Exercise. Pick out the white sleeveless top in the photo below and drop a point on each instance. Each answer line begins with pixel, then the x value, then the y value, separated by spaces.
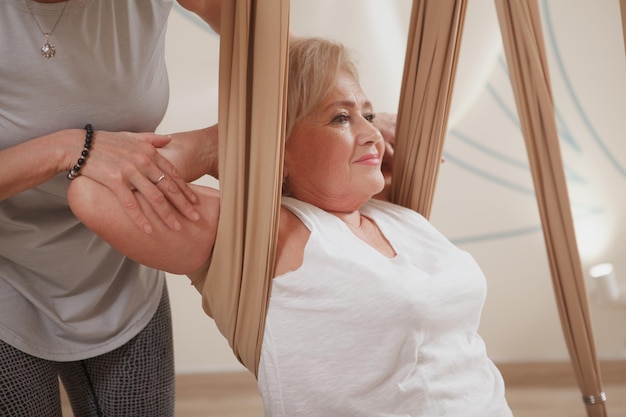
pixel 64 293
pixel 354 333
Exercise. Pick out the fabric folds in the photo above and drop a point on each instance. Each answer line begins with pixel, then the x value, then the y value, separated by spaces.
pixel 622 5
pixel 430 66
pixel 252 90
pixel 520 25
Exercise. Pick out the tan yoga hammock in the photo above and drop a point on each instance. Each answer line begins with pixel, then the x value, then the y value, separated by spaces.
pixel 622 7
pixel 253 76
pixel 520 24
pixel 253 59
pixel 432 51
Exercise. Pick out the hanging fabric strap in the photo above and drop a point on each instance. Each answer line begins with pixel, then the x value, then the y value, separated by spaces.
pixel 622 6
pixel 252 90
pixel 430 66
pixel 520 25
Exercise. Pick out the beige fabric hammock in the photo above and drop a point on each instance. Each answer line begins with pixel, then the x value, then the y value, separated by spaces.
pixel 520 24
pixel 433 46
pixel 253 76
pixel 253 59
pixel 622 6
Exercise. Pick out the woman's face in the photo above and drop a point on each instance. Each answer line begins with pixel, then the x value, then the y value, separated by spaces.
pixel 333 156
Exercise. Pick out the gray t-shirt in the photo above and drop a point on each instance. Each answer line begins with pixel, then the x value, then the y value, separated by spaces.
pixel 64 293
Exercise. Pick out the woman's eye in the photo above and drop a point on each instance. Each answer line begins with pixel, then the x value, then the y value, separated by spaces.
pixel 341 118
pixel 370 117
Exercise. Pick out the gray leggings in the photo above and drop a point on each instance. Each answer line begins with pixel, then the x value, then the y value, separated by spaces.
pixel 137 379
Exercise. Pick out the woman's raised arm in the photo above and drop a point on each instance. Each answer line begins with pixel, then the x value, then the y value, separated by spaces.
pixel 180 252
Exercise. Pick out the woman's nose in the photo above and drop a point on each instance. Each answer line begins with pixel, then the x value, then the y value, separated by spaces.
pixel 369 133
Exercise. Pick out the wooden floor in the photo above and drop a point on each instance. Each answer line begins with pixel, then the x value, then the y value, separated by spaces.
pixel 533 390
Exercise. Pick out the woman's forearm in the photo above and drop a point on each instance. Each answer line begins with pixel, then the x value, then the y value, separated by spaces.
pixel 34 162
pixel 194 153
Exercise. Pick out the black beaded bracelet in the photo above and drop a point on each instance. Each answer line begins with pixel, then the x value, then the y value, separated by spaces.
pixel 75 171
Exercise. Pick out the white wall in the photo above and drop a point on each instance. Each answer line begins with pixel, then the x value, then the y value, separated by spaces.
pixel 484 199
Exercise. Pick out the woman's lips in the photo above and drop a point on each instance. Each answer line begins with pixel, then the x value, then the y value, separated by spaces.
pixel 368 159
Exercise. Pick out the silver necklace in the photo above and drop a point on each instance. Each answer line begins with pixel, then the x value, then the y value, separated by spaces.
pixel 47 50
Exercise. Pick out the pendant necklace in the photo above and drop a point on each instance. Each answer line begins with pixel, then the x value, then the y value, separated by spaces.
pixel 47 50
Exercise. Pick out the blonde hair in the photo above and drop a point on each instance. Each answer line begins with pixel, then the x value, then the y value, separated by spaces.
pixel 314 64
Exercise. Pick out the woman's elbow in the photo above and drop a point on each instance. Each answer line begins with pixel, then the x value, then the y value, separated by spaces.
pixel 189 249
pixel 196 254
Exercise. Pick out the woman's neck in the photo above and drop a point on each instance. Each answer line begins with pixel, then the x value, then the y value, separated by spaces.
pixel 352 219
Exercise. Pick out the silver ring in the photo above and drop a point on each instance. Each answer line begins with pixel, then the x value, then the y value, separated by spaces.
pixel 594 399
pixel 160 178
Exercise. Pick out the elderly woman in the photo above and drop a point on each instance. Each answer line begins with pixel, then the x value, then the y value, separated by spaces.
pixel 372 311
